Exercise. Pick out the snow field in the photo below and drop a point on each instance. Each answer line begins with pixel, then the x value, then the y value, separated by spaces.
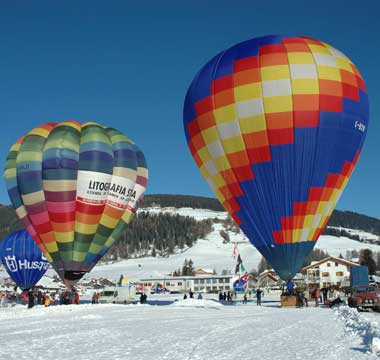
pixel 176 332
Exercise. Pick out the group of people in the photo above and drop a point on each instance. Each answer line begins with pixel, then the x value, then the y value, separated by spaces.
pixel 326 296
pixel 34 297
pixel 95 297
pixel 8 298
pixel 231 296
pixel 143 298
pixel 46 299
pixel 191 296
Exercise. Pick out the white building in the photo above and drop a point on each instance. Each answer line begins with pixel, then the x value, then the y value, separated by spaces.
pixel 327 272
pixel 181 284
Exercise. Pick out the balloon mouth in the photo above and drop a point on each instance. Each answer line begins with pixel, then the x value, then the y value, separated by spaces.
pixel 70 278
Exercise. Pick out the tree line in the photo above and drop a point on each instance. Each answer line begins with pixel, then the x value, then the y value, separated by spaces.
pixel 158 235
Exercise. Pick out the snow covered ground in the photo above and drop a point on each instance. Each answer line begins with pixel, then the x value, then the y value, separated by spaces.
pixel 194 330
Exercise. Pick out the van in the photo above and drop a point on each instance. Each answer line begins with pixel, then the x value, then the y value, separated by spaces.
pixel 107 295
pixel 124 294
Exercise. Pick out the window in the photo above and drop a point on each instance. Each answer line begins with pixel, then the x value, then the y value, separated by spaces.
pixel 214 281
pixel 328 264
pixel 179 283
pixel 208 288
pixel 202 281
pixel 226 288
pixel 196 288
pixel 226 280
pixel 325 274
pixel 196 281
pixel 208 281
pixel 339 273
pixel 336 264
pixel 220 287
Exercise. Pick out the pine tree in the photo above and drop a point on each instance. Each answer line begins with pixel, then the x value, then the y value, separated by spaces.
pixel 366 258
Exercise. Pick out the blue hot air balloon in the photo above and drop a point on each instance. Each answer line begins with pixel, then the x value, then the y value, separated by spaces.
pixel 276 125
pixel 23 259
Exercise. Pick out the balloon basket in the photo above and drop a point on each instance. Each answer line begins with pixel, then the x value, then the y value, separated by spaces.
pixel 288 301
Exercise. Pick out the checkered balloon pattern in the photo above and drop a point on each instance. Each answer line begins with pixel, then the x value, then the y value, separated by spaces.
pixel 75 188
pixel 276 125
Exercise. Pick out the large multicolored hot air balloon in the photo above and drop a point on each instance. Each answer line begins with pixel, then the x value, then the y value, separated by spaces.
pixel 276 125
pixel 23 259
pixel 75 188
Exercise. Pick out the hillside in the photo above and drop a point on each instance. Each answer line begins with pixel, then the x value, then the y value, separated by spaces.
pixel 344 219
pixel 339 219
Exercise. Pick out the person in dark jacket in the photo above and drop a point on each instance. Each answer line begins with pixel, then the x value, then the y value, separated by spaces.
pixel 30 298
pixel 325 292
pixel 224 296
pixel 220 296
pixel 300 298
pixel 258 296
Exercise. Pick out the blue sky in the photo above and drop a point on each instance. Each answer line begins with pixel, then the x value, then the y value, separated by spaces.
pixel 128 64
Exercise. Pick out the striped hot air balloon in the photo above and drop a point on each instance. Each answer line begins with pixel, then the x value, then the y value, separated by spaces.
pixel 75 188
pixel 276 125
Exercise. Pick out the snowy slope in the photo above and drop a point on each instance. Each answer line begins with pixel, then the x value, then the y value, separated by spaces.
pixel 211 253
pixel 195 332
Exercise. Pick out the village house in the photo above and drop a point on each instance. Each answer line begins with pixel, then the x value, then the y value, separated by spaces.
pixel 331 271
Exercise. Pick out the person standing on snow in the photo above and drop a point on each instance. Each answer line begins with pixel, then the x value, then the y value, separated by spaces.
pixel 316 296
pixel 47 300
pixel 325 291
pixel 30 298
pixel 258 296
pixel 76 298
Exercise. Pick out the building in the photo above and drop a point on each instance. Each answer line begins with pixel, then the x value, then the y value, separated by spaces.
pixel 182 284
pixel 200 271
pixel 268 278
pixel 331 271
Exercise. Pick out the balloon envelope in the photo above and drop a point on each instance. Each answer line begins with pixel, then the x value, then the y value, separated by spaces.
pixel 276 125
pixel 23 259
pixel 75 187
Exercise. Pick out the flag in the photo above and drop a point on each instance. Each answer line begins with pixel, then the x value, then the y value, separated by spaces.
pixel 234 251
pixel 238 263
pixel 239 269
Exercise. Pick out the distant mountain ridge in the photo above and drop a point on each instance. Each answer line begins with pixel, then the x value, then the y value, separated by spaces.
pixel 345 219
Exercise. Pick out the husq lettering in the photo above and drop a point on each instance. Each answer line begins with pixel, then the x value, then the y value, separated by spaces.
pixel 14 265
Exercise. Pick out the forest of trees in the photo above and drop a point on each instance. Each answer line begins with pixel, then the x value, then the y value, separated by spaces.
pixel 178 201
pixel 158 235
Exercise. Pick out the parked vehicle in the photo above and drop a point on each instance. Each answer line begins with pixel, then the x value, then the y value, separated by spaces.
pixel 124 294
pixel 365 297
pixel 107 295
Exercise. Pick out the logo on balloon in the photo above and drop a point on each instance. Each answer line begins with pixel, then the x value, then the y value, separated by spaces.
pixel 14 265
pixel 11 263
